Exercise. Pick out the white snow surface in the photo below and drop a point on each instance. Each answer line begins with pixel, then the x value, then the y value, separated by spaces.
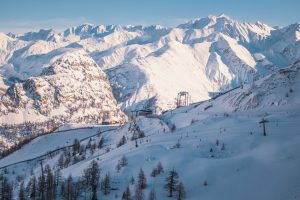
pixel 216 53
pixel 50 142
pixel 84 74
pixel 249 162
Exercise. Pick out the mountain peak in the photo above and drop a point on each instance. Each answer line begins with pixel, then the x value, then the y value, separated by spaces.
pixel 4 36
pixel 223 16
pixel 87 24
pixel 74 84
pixel 205 22
pixel 241 31
pixel 292 31
pixel 42 34
pixel 89 30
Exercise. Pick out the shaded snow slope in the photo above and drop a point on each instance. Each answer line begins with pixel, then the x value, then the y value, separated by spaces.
pixel 50 142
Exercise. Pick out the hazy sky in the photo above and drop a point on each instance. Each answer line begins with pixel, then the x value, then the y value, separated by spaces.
pixel 25 15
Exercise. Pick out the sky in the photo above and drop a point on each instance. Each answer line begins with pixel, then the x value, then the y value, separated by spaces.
pixel 19 16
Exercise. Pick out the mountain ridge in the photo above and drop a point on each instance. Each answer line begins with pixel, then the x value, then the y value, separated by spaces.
pixel 146 66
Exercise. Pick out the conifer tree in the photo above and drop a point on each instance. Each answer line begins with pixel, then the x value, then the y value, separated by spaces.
pixel 49 183
pixel 91 177
pixel 61 161
pixel 132 180
pixel 180 192
pixel 31 188
pixel 126 194
pixel 122 141
pixel 152 195
pixel 139 194
pixel 160 168
pixel 22 194
pixel 70 188
pixel 101 143
pixel 76 146
pixel 142 181
pixel 154 172
pixel 105 184
pixel 223 147
pixel 124 161
pixel 172 182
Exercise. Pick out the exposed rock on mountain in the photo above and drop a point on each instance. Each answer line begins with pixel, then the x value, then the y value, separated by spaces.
pixel 72 90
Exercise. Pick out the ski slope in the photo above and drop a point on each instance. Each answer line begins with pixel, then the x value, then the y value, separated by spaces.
pixel 250 162
pixel 221 143
pixel 267 165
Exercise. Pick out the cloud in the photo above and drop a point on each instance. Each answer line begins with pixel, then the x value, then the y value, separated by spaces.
pixel 21 26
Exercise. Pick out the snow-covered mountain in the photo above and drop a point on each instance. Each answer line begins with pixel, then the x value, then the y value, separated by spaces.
pixel 146 66
pixel 217 148
pixel 73 89
pixel 7 46
pixel 241 31
pixel 282 47
pixel 275 93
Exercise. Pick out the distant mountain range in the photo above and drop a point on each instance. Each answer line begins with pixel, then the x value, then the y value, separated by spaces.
pixel 92 74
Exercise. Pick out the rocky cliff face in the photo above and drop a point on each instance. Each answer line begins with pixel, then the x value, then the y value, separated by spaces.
pixel 72 90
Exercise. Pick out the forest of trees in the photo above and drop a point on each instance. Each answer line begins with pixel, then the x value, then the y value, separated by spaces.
pixel 92 183
pixel 22 134
pixel 50 185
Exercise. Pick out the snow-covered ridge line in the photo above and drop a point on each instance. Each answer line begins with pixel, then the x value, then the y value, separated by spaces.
pixel 133 67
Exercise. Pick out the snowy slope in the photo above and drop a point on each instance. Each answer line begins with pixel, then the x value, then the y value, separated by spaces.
pixel 50 142
pixel 273 93
pixel 144 66
pixel 283 45
pixel 7 46
pixel 3 86
pixel 242 161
